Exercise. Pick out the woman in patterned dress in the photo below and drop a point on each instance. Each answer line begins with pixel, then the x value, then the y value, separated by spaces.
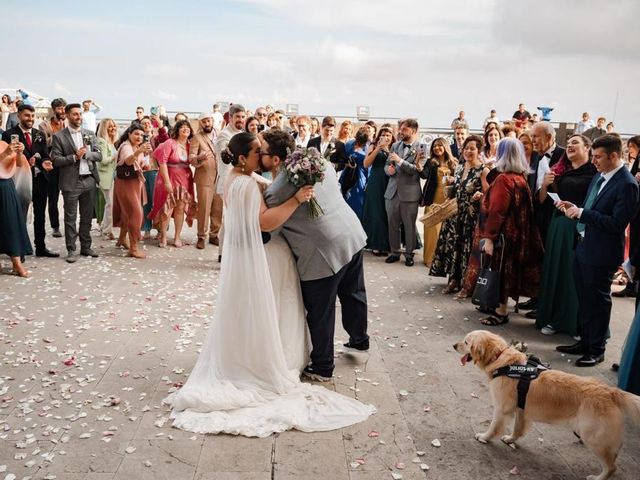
pixel 456 235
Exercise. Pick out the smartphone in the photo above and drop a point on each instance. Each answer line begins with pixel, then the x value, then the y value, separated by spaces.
pixel 145 138
pixel 154 110
pixel 423 149
pixel 86 140
pixel 15 138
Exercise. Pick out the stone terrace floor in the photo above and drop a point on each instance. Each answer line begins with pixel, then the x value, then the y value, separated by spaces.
pixel 76 338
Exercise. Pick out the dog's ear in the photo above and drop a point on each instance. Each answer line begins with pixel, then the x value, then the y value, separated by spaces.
pixel 477 350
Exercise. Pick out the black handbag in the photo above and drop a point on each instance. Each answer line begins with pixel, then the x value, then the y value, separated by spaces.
pixel 126 172
pixel 487 291
pixel 349 176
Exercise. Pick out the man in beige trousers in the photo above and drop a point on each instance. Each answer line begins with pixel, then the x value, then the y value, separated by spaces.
pixel 203 157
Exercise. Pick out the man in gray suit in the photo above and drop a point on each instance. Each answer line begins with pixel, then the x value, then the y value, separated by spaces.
pixel 403 191
pixel 74 150
pixel 328 253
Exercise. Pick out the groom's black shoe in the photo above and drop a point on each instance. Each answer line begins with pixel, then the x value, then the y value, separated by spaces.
pixel 313 375
pixel 357 348
pixel 392 259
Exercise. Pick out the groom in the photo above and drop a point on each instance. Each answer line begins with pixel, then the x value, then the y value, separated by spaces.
pixel 328 253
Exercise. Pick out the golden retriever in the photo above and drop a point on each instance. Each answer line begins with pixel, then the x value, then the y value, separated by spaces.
pixel 593 410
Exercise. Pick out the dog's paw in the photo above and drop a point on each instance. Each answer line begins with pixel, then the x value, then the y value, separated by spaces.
pixel 481 438
pixel 508 439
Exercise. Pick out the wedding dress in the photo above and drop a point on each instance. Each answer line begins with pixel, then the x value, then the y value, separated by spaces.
pixel 243 382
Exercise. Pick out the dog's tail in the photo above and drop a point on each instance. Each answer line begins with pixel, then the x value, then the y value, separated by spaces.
pixel 630 405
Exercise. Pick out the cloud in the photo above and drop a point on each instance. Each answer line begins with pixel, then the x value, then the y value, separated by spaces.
pixel 61 89
pixel 165 70
pixel 162 95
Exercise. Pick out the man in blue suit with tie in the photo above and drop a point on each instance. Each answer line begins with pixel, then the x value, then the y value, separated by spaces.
pixel 610 204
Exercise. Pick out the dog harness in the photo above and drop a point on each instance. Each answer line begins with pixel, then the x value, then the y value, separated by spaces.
pixel 524 374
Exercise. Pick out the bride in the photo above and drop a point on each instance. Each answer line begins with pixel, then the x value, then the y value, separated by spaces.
pixel 243 382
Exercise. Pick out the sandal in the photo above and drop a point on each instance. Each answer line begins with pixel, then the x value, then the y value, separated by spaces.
pixel 461 295
pixel 452 287
pixel 483 309
pixel 495 320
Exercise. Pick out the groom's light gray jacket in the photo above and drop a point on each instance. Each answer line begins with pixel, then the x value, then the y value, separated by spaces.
pixel 321 246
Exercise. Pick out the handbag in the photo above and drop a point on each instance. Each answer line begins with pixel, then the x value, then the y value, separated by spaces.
pixel 349 176
pixel 439 212
pixel 487 291
pixel 124 171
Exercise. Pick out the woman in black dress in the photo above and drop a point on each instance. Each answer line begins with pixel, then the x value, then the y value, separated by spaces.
pixel 14 240
pixel 374 216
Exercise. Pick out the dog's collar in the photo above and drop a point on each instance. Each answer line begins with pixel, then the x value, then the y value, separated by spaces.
pixel 498 356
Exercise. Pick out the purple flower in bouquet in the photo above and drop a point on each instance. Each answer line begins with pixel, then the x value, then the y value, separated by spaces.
pixel 306 166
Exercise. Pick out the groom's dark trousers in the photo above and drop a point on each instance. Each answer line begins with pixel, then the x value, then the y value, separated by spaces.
pixel 320 301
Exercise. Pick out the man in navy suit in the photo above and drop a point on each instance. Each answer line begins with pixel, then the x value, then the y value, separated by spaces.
pixel 611 202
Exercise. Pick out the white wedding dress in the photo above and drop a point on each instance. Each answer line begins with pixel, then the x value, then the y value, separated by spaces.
pixel 243 382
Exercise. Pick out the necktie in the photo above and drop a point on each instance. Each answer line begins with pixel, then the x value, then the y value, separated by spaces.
pixel 27 137
pixel 593 193
pixel 406 145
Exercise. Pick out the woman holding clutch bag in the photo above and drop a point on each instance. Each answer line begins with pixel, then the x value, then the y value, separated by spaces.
pixel 440 167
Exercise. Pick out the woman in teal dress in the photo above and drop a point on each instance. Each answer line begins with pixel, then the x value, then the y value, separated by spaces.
pixel 570 179
pixel 356 151
pixel 374 215
pixel 629 372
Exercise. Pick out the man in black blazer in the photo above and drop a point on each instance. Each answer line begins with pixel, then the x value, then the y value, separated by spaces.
pixel 459 136
pixel 36 151
pixel 74 151
pixel 612 200
pixel 546 154
pixel 330 147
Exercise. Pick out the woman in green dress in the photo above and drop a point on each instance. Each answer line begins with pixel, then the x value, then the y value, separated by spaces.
pixel 456 236
pixel 374 215
pixel 569 179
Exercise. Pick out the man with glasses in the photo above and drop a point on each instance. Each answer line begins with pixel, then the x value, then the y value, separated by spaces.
pixel 261 115
pixel 139 114
pixel 304 131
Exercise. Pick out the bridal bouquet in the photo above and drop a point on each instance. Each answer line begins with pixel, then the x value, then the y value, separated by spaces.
pixel 306 166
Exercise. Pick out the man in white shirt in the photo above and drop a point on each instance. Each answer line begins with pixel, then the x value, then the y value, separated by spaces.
pixel 330 147
pixel 585 124
pixel 217 117
pixel 304 131
pixel 459 121
pixel 492 118
pixel 89 115
pixel 74 151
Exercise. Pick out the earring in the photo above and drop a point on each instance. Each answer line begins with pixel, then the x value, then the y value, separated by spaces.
pixel 243 165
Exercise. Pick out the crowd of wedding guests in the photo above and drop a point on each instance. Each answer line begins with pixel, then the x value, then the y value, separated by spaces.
pixel 540 213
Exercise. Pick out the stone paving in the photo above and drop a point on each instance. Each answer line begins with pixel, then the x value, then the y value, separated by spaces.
pixel 88 352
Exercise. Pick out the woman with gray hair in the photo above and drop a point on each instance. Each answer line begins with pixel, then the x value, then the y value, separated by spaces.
pixel 507 232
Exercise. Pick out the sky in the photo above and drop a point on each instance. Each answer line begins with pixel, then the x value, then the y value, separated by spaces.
pixel 406 58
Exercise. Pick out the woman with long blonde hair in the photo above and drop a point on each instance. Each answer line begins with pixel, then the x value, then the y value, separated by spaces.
pixel 107 137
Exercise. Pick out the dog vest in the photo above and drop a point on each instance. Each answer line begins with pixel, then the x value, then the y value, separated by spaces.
pixel 524 374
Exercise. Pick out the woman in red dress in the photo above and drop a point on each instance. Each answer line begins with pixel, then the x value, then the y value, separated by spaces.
pixel 507 210
pixel 173 196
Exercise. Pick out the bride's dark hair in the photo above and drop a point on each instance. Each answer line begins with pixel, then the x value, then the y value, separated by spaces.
pixel 240 144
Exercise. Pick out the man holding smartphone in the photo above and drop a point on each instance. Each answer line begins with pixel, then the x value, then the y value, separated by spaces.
pixel 75 151
pixel 403 191
pixel 37 153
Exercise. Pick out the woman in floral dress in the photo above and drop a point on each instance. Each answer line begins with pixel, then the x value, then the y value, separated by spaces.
pixel 456 236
